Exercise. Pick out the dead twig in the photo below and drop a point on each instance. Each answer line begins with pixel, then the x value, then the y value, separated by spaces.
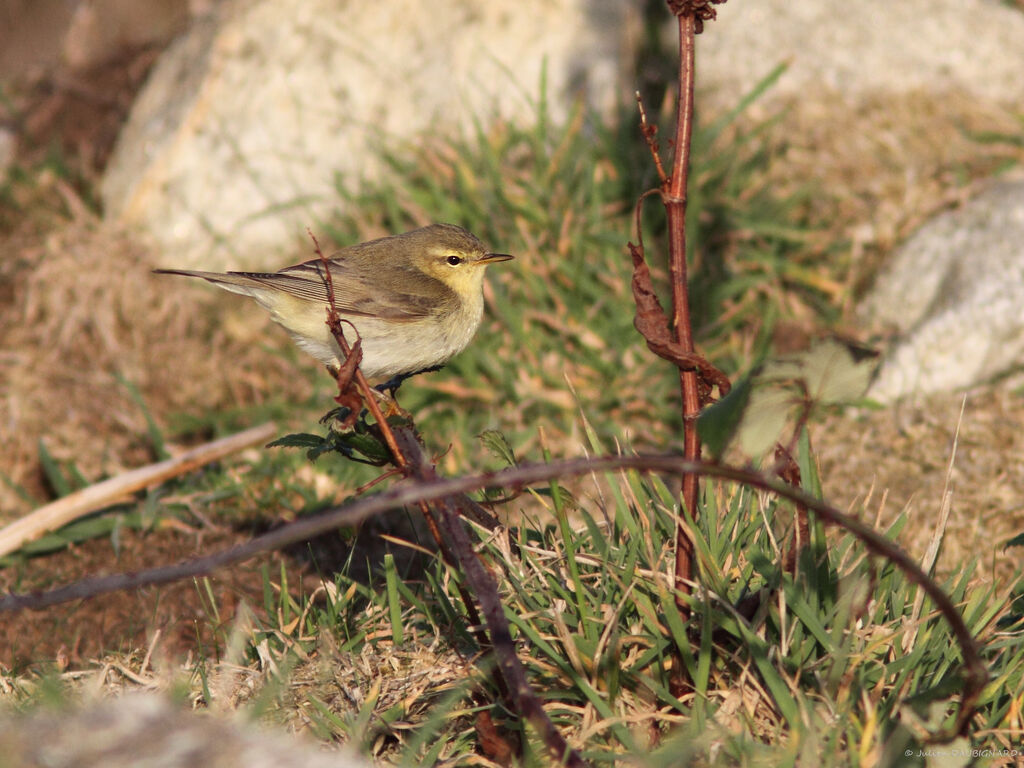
pixel 789 471
pixel 405 446
pixel 652 323
pixel 119 489
pixel 485 588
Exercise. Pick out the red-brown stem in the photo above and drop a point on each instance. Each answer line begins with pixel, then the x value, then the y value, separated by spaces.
pixel 378 416
pixel 675 206
pixel 400 457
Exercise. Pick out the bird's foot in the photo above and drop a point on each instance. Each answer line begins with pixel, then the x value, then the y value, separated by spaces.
pixel 391 385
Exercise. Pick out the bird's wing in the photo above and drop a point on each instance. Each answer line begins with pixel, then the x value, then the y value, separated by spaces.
pixel 357 290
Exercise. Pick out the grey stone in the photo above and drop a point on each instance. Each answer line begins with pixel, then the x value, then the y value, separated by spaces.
pixel 863 48
pixel 148 731
pixel 247 123
pixel 954 292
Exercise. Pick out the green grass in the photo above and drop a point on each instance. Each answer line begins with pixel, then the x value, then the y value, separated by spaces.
pixel 558 333
pixel 835 666
pixel 561 199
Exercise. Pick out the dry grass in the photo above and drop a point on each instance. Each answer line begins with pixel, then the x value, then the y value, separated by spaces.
pixel 883 166
pixel 884 461
pixel 81 316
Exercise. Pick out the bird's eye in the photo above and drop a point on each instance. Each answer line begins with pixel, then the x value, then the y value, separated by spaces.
pixel 454 260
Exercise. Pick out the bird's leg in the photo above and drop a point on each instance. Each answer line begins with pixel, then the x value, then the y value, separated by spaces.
pixel 391 385
pixel 388 403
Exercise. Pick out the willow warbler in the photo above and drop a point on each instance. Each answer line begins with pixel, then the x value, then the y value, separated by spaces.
pixel 416 299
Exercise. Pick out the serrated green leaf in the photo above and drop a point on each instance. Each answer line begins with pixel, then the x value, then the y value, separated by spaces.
pixel 769 411
pixel 755 413
pixel 833 375
pixel 363 443
pixel 1016 541
pixel 495 441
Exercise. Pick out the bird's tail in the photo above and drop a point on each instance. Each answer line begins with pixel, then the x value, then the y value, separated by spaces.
pixel 229 281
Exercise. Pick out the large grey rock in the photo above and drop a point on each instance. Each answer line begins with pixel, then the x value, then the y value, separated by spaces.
pixel 955 294
pixel 864 48
pixel 954 291
pixel 235 145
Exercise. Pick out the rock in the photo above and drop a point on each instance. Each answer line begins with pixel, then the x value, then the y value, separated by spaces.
pixel 954 293
pixel 248 122
pixel 869 47
pixel 877 97
pixel 148 730
pixel 251 120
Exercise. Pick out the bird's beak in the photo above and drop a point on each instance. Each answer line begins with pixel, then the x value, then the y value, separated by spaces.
pixel 489 257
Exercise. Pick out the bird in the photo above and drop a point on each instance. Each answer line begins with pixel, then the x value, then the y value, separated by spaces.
pixel 414 299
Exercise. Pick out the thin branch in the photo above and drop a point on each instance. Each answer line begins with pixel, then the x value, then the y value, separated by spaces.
pixel 345 375
pixel 116 489
pixel 404 442
pixel 696 376
pixel 483 585
pixel 675 206
pixel 650 133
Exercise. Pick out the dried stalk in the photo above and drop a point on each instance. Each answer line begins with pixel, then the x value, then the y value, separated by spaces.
pixel 406 449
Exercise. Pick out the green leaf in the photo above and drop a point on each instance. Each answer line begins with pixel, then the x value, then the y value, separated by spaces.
pixel 496 442
pixel 375 451
pixel 298 440
pixel 758 409
pixel 717 424
pixel 832 373
pixel 1016 541
pixel 769 411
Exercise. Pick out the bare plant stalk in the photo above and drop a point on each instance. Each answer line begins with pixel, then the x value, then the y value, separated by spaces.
pixel 407 455
pixel 516 689
pixel 672 338
pixel 674 198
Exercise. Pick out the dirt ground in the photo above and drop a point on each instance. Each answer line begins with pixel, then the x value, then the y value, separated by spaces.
pixel 880 463
pixel 177 621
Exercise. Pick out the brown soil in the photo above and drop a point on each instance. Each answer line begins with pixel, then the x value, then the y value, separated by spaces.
pixel 78 634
